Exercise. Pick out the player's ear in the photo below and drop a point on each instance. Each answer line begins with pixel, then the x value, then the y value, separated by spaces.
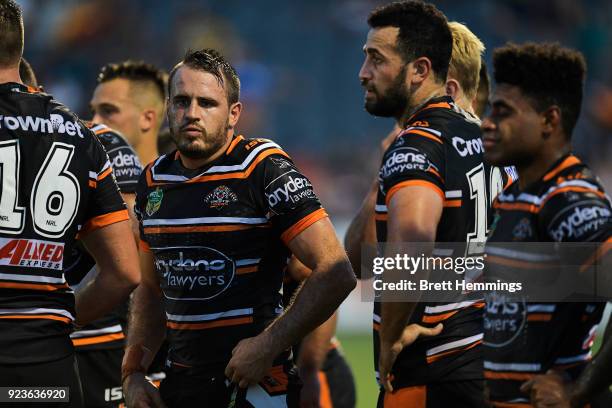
pixel 234 114
pixel 147 119
pixel 551 119
pixel 421 69
pixel 453 88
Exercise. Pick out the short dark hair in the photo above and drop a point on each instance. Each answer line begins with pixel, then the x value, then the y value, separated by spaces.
pixel 211 61
pixel 423 32
pixel 138 71
pixel 547 73
pixel 11 33
pixel 27 74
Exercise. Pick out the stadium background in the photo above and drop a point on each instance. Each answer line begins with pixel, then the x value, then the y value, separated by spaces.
pixel 298 61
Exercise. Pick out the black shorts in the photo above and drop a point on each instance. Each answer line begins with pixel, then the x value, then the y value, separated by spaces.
pixel 337 382
pixel 58 373
pixel 181 389
pixel 456 394
pixel 100 372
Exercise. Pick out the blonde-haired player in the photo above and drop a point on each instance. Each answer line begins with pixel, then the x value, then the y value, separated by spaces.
pixel 464 68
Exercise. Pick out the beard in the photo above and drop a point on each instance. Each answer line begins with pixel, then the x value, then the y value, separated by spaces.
pixel 211 142
pixel 394 102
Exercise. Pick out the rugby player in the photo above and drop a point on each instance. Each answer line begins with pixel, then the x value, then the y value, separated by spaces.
pixel 56 183
pixel 327 379
pixel 461 83
pixel 534 109
pixel 407 56
pixel 130 99
pixel 219 218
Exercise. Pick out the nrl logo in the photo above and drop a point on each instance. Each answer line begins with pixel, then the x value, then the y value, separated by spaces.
pixel 154 201
pixel 220 197
pixel 281 163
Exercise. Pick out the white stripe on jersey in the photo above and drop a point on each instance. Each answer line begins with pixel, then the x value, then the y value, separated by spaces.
pixel 203 220
pixel 87 333
pixel 522 255
pixel 450 306
pixel 432 131
pixel 533 367
pixel 210 316
pixel 376 318
pixel 93 175
pixel 246 262
pixel 573 359
pixel 453 194
pixel 380 208
pixel 541 308
pixel 454 344
pixel 214 169
pixel 106 166
pixel 32 278
pixel 34 310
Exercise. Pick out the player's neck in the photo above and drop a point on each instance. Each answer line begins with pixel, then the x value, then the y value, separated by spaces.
pixel 193 164
pixel 420 96
pixel 147 152
pixel 533 171
pixel 9 75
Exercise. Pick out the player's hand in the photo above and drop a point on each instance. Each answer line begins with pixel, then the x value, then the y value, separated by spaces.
pixel 548 390
pixel 140 393
pixel 389 352
pixel 311 389
pixel 251 360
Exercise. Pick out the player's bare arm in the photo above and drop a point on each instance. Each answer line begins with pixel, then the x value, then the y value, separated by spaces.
pixel 331 280
pixel 147 323
pixel 314 347
pixel 362 229
pixel 118 270
pixel 425 208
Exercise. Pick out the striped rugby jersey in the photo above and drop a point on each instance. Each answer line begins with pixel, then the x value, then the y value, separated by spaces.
pixel 56 182
pixel 441 149
pixel 523 339
pixel 108 331
pixel 218 236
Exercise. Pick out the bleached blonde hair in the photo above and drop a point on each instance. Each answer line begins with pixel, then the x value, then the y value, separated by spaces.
pixel 466 58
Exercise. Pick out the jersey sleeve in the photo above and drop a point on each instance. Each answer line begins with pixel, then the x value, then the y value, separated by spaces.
pixel 289 197
pixel 140 208
pixel 416 158
pixel 123 159
pixel 579 213
pixel 105 206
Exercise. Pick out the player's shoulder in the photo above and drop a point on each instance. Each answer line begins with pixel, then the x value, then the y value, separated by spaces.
pixel 109 138
pixel 256 153
pixel 575 206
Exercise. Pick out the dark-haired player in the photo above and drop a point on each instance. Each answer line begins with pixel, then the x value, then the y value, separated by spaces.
pixel 55 183
pixel 218 219
pixel 130 98
pixel 557 198
pixel 427 196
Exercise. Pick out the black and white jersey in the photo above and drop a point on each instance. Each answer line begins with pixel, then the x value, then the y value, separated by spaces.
pixel 56 182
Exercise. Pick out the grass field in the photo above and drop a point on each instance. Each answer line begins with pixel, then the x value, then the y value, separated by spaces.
pixel 358 351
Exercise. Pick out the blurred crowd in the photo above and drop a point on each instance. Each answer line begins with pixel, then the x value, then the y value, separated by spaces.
pixel 298 62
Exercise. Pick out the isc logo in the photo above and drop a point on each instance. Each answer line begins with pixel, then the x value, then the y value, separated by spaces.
pixel 113 394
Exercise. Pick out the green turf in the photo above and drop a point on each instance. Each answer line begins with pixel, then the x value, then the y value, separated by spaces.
pixel 358 351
